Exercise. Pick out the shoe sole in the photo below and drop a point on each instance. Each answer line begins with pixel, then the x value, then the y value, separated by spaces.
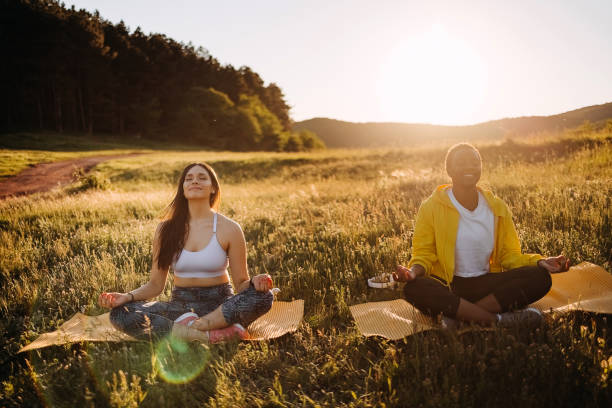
pixel 245 335
pixel 185 316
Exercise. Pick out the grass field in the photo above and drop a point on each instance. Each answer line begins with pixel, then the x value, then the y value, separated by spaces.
pixel 21 150
pixel 320 224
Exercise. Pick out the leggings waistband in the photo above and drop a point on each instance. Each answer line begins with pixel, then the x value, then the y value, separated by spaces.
pixel 201 293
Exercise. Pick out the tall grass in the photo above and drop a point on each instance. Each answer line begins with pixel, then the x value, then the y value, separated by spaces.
pixel 320 224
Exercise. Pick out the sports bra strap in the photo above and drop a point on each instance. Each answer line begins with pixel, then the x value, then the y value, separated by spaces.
pixel 215 223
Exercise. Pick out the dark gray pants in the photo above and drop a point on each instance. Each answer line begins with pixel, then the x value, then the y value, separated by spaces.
pixel 513 289
pixel 153 320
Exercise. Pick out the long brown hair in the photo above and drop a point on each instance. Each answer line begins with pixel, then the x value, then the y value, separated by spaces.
pixel 175 225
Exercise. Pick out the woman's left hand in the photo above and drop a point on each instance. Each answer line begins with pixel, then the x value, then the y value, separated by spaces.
pixel 262 282
pixel 555 264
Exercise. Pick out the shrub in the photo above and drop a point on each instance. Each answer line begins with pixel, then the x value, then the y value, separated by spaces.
pixel 93 181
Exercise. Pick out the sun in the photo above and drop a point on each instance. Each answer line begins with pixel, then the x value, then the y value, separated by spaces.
pixel 433 78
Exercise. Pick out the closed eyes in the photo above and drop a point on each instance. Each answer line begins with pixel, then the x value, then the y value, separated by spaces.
pixel 199 178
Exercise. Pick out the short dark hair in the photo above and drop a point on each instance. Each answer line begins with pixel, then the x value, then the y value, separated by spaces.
pixel 457 147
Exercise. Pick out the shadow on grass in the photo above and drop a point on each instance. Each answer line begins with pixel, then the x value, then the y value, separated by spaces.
pixel 163 373
pixel 511 151
pixel 55 142
pixel 228 171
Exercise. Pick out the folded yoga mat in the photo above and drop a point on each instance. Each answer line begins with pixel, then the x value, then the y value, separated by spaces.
pixel 586 287
pixel 282 318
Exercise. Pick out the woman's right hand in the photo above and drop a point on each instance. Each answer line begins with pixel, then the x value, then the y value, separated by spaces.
pixel 403 274
pixel 110 300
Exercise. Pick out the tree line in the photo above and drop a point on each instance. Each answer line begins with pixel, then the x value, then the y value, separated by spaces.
pixel 72 70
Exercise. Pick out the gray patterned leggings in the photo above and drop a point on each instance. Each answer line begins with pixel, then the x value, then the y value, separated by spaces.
pixel 154 320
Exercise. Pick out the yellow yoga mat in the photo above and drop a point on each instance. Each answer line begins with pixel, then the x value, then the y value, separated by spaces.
pixel 282 318
pixel 393 319
pixel 586 287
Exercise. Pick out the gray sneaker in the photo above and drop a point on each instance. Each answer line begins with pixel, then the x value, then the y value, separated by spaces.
pixel 529 317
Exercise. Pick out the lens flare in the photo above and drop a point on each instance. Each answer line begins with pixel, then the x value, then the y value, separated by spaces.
pixel 179 362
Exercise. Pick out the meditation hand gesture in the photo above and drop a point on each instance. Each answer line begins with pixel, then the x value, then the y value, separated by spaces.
pixel 403 274
pixel 555 264
pixel 113 299
pixel 262 283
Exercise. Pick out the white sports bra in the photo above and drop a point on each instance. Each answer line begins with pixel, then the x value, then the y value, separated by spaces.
pixel 209 262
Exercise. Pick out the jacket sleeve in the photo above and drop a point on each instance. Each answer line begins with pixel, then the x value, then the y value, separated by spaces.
pixel 510 246
pixel 424 239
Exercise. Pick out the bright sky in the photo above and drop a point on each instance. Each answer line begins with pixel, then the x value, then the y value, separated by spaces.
pixel 442 62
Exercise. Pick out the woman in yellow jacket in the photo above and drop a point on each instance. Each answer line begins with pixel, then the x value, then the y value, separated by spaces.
pixel 466 257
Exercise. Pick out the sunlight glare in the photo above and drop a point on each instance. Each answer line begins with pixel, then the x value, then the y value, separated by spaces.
pixel 434 78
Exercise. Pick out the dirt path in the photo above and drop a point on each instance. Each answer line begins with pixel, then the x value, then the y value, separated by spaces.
pixel 45 176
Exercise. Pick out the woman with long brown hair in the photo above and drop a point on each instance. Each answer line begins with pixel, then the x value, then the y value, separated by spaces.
pixel 198 244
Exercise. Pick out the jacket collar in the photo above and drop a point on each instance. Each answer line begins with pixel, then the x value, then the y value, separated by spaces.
pixel 498 207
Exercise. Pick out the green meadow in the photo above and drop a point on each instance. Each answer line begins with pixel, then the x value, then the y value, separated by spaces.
pixel 320 223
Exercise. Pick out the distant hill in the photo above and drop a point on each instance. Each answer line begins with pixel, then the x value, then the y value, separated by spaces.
pixel 336 133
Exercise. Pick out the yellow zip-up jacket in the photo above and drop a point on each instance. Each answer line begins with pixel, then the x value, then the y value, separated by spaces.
pixel 435 233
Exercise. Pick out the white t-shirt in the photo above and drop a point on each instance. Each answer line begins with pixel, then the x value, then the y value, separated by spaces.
pixel 474 242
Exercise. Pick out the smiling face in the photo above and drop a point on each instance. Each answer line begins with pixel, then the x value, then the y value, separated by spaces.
pixel 464 167
pixel 198 184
